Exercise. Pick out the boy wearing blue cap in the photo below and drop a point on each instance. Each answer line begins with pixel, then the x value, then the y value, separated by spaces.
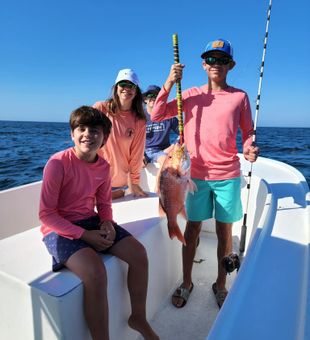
pixel 157 133
pixel 212 115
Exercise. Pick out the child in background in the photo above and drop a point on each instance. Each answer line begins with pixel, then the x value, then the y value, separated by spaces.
pixel 74 182
pixel 212 115
pixel 124 150
pixel 157 133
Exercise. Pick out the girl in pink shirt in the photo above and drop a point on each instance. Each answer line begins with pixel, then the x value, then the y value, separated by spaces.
pixel 75 181
pixel 125 148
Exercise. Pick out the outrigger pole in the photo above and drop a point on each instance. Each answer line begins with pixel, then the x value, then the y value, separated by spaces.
pixel 178 87
pixel 244 226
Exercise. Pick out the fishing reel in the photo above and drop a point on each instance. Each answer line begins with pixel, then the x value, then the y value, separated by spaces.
pixel 231 262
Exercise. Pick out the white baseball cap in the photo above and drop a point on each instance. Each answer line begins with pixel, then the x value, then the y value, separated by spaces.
pixel 127 74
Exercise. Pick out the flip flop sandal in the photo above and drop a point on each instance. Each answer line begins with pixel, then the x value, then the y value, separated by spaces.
pixel 220 295
pixel 182 293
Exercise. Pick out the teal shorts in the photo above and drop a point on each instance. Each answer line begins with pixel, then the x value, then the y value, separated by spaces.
pixel 218 199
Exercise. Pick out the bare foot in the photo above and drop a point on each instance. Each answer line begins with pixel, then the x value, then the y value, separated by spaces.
pixel 143 327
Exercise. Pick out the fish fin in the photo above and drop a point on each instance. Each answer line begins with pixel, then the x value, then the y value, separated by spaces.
pixel 161 209
pixel 174 231
pixel 157 180
pixel 183 213
pixel 181 238
pixel 191 186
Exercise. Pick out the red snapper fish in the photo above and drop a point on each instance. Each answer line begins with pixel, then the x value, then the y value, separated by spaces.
pixel 173 183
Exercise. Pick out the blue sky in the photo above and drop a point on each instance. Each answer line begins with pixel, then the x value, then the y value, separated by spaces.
pixel 58 55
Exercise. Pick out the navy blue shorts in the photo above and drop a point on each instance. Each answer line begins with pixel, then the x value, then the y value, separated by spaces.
pixel 61 248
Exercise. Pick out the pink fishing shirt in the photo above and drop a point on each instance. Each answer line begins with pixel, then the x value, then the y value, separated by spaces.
pixel 70 191
pixel 124 149
pixel 211 122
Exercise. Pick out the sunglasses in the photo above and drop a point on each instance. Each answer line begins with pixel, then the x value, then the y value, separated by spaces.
pixel 218 61
pixel 151 96
pixel 124 84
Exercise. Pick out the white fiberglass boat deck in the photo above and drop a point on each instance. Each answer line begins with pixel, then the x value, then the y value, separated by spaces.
pixel 269 297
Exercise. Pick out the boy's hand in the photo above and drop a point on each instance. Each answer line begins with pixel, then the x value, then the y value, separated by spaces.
pixel 176 72
pixel 251 153
pixel 137 191
pixel 96 238
pixel 108 228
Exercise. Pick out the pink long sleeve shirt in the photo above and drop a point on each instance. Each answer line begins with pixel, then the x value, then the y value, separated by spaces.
pixel 124 149
pixel 211 122
pixel 70 191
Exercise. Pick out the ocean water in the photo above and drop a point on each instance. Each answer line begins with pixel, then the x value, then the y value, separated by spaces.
pixel 26 146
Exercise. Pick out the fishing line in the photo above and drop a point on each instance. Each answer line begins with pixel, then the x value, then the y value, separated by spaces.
pixel 244 225
pixel 175 43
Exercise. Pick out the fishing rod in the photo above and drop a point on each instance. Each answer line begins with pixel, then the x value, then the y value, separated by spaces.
pixel 232 261
pixel 244 226
pixel 175 42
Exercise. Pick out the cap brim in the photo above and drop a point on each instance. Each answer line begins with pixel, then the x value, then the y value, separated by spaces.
pixel 204 55
pixel 148 92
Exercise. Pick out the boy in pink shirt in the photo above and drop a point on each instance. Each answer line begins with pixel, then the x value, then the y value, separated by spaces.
pixel 212 115
pixel 75 181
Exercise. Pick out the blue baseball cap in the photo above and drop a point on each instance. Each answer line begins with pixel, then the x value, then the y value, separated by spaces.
pixel 152 89
pixel 220 45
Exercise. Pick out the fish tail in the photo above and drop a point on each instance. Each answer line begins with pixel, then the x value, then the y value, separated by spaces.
pixel 174 231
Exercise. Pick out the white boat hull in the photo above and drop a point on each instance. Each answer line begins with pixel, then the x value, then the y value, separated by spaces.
pixel 274 273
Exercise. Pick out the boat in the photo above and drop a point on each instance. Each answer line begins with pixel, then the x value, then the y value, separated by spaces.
pixel 268 297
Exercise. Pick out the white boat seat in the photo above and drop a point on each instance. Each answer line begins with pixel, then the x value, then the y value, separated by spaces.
pixel 51 303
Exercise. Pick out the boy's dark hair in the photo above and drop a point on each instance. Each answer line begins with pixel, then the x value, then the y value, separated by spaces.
pixel 89 116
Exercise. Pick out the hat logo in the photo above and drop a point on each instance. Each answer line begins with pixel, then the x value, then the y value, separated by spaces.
pixel 218 44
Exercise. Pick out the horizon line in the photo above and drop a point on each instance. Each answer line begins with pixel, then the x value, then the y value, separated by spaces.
pixel 66 122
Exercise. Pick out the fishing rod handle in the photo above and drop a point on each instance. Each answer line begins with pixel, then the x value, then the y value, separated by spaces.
pixel 243 235
pixel 175 42
pixel 178 87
